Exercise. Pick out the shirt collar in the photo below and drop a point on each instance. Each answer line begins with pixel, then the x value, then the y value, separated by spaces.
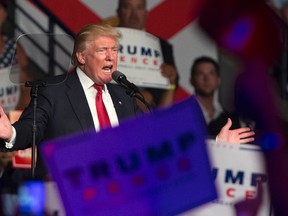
pixel 217 106
pixel 86 82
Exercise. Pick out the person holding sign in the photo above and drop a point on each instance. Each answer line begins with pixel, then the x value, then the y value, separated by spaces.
pixel 71 106
pixel 68 107
pixel 13 96
pixel 133 14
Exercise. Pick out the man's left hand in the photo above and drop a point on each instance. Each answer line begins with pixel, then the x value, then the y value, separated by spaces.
pixel 240 135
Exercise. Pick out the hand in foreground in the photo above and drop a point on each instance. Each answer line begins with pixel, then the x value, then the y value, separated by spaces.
pixel 240 135
pixel 5 126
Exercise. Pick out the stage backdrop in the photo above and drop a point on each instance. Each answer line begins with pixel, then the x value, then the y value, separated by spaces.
pixel 173 20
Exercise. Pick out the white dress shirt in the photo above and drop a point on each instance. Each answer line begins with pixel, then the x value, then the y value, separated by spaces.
pixel 217 106
pixel 90 93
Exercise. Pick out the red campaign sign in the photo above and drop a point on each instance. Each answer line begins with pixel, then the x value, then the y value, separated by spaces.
pixel 22 159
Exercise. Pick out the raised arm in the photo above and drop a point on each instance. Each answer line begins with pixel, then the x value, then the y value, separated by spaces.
pixel 169 71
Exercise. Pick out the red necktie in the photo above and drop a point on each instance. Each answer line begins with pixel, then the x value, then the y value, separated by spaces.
pixel 100 108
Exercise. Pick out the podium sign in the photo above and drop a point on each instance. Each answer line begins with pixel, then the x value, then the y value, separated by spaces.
pixel 152 165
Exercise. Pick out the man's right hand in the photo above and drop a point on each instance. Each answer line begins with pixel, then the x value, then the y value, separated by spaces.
pixel 5 126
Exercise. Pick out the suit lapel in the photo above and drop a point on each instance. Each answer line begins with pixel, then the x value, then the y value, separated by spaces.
pixel 118 100
pixel 78 101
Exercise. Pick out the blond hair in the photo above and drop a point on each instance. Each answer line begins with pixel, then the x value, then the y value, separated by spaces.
pixel 88 34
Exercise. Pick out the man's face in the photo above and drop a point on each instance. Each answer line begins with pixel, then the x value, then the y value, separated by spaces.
pixel 132 14
pixel 206 79
pixel 99 59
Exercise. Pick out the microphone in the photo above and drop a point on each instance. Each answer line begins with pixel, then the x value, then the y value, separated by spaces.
pixel 120 78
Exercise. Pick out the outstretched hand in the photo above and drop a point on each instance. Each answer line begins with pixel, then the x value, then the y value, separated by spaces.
pixel 5 126
pixel 240 135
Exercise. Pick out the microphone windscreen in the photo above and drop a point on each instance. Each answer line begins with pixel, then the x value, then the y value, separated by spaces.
pixel 117 75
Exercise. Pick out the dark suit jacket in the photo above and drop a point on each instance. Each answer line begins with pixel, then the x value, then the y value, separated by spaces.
pixel 216 125
pixel 62 109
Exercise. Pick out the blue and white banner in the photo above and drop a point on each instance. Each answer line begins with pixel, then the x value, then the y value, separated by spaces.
pixel 140 58
pixel 235 170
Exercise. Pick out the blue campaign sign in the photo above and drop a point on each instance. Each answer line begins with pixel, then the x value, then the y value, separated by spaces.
pixel 156 164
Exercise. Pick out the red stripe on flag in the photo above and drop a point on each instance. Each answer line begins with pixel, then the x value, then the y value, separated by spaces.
pixel 172 16
pixel 73 14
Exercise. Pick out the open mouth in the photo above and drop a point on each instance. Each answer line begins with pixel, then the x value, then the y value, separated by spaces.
pixel 108 69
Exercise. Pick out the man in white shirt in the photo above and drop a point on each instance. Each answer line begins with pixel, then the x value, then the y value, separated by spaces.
pixel 205 78
pixel 67 107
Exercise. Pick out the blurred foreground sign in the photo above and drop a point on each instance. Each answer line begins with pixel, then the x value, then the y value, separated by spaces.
pixel 153 165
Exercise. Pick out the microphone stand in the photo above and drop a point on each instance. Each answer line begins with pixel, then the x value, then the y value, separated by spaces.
pixel 134 92
pixel 34 94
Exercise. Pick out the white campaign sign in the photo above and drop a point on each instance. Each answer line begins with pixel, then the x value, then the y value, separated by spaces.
pixel 9 88
pixel 140 58
pixel 235 169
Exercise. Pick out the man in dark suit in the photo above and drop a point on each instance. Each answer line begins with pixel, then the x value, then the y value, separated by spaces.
pixel 67 104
